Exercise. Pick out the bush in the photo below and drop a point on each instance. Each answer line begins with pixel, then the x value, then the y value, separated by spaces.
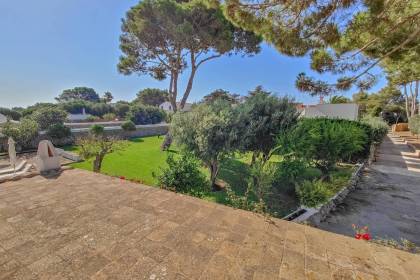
pixel 414 125
pixel 31 109
pixel 312 193
pixel 109 117
pixel 93 108
pixel 97 129
pixel 183 175
pixel 288 173
pixel 324 142
pixel 141 114
pixel 74 107
pixel 379 128
pixel 11 114
pixel 93 119
pixel 121 109
pixel 23 133
pixel 99 109
pixel 128 126
pixel 48 116
pixel 59 131
pixel 311 173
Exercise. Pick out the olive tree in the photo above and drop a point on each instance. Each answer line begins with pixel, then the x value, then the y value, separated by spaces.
pixel 96 146
pixel 207 132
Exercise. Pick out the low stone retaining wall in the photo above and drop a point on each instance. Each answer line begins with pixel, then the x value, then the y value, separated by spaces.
pixel 141 131
pixel 89 124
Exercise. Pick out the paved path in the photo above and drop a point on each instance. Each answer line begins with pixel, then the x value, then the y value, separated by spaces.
pixel 81 225
pixel 387 198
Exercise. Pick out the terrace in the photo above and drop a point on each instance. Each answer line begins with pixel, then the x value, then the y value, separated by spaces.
pixel 82 225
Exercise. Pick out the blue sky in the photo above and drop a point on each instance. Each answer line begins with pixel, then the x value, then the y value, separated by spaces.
pixel 50 45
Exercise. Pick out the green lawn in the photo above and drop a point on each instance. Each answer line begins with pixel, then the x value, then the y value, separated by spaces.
pixel 137 161
pixel 142 157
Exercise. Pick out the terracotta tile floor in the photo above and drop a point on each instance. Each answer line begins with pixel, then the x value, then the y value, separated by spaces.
pixel 81 225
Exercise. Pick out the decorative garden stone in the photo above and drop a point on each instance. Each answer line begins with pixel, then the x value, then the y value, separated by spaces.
pixel 47 157
pixel 12 152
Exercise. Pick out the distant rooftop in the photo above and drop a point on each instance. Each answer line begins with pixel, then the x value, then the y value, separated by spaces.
pixel 348 111
pixel 82 225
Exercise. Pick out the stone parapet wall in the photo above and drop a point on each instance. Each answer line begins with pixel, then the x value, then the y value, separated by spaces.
pixel 141 131
pixel 89 124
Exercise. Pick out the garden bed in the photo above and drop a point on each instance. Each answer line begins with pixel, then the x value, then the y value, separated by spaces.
pixel 316 215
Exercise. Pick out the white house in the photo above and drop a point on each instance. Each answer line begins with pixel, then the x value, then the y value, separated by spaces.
pixel 78 117
pixel 347 111
pixel 167 106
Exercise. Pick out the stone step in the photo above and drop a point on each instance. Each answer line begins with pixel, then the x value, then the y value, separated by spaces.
pixel 21 165
pixel 19 174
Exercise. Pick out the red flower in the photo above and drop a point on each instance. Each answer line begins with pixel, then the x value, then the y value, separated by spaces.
pixel 122 178
pixel 366 236
pixel 358 236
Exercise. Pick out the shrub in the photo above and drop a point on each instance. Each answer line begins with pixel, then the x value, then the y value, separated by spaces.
pixel 260 183
pixel 288 173
pixel 312 193
pixel 74 107
pixel 11 114
pixel 109 117
pixel 31 109
pixel 379 128
pixel 59 131
pixel 324 142
pixel 48 116
pixel 23 133
pixel 311 173
pixel 128 126
pixel 414 124
pixel 93 119
pixel 99 109
pixel 97 129
pixel 121 109
pixel 141 114
pixel 183 175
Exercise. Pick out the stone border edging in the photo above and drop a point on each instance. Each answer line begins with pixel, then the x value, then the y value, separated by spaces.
pixel 32 173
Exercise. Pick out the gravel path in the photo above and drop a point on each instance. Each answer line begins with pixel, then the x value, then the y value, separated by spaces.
pixel 387 198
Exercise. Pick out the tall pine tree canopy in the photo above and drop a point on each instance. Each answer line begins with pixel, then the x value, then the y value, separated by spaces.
pixel 163 38
pixel 344 37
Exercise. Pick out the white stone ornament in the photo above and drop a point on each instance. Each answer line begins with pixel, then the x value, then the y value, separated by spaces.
pixel 47 157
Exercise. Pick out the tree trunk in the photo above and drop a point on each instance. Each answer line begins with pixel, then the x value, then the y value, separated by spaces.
pixel 190 81
pixel 406 102
pixel 214 170
pixel 173 92
pixel 167 142
pixel 97 163
pixel 254 158
pixel 416 94
pixel 413 100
